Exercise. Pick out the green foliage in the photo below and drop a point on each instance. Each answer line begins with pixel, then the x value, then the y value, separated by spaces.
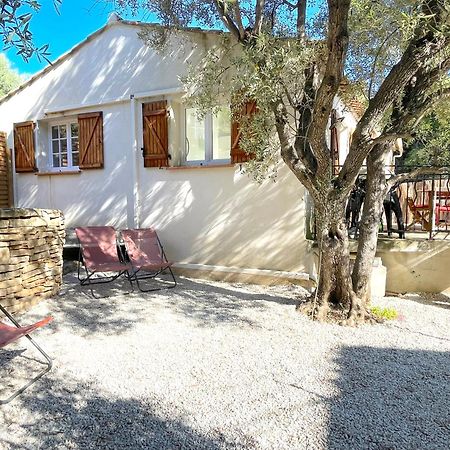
pixel 15 19
pixel 280 18
pixel 9 79
pixel 384 313
pixel 379 33
pixel 272 65
pixel 271 68
pixel 431 146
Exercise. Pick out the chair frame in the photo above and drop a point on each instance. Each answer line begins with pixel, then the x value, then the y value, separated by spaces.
pixel 166 265
pixel 49 362
pixel 90 280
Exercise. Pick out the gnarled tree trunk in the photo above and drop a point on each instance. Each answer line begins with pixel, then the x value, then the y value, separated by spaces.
pixel 370 221
pixel 335 283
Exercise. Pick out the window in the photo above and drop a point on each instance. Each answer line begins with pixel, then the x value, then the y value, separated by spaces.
pixel 208 140
pixel 64 152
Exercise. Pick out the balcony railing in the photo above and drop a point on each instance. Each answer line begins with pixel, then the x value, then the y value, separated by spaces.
pixel 425 204
pixel 418 207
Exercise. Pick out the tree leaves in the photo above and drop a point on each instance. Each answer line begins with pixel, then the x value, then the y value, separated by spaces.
pixel 15 20
pixel 9 79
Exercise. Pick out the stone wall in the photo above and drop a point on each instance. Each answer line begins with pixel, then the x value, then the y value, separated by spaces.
pixel 31 245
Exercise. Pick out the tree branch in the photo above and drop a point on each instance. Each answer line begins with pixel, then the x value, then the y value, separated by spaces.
pixel 289 4
pixel 301 19
pixel 226 19
pixel 237 13
pixel 428 42
pixel 337 43
pixel 386 137
pixel 412 116
pixel 397 179
pixel 259 10
pixel 288 152
pixel 374 66
pixel 428 104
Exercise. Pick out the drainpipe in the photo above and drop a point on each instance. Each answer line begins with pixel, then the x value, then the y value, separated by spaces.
pixel 136 165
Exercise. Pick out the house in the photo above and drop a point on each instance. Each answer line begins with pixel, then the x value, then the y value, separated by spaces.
pixel 104 135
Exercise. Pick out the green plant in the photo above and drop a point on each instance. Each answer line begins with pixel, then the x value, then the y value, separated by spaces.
pixel 384 313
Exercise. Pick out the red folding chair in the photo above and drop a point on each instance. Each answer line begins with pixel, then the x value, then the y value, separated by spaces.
pixel 147 257
pixel 10 334
pixel 99 253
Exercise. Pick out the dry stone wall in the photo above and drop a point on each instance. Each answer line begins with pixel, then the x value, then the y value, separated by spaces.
pixel 31 246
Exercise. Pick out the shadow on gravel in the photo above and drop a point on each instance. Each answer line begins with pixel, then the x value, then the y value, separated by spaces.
pixel 110 314
pixel 207 303
pixel 439 300
pixel 211 303
pixel 79 418
pixel 391 399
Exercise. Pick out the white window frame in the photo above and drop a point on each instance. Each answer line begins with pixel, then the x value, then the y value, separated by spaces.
pixel 67 123
pixel 209 151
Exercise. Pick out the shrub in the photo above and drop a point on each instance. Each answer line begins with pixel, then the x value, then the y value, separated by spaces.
pixel 384 313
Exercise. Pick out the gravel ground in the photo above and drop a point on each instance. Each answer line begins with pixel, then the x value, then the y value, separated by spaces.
pixel 227 366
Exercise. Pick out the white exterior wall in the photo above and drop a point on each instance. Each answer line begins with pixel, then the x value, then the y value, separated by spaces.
pixel 212 216
pixel 219 216
pixel 92 197
pixel 345 129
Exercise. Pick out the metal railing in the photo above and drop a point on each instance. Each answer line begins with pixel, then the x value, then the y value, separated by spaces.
pixel 425 203
pixel 419 207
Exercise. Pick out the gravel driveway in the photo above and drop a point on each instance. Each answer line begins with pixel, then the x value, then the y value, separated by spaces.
pixel 228 366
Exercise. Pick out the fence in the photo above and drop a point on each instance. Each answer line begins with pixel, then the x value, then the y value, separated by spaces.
pixel 5 173
pixel 425 203
pixel 421 206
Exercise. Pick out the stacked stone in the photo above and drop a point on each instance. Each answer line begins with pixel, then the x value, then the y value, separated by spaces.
pixel 31 262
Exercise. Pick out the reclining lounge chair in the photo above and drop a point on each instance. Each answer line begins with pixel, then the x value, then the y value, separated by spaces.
pixel 147 257
pixel 10 334
pixel 99 253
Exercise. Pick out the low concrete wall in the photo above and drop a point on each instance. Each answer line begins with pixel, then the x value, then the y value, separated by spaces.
pixel 31 244
pixel 416 265
pixel 239 275
pixel 412 265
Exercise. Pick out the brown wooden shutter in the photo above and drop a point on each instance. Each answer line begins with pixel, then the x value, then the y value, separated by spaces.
pixel 237 154
pixel 334 142
pixel 5 174
pixel 24 147
pixel 156 136
pixel 90 140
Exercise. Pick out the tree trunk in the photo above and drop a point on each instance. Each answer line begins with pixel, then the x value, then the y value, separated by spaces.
pixel 334 284
pixel 370 221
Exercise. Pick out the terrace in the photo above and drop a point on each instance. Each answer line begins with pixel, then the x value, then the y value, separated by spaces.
pixel 416 208
pixel 414 236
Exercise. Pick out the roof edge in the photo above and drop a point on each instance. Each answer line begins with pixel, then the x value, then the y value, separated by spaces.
pixel 56 63
pixel 91 37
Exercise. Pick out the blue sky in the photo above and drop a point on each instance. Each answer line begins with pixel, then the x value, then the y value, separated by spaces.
pixel 77 19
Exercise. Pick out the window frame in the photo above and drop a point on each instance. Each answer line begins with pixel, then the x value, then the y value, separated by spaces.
pixel 56 123
pixel 208 138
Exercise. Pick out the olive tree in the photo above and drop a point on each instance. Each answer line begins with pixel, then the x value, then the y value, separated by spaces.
pixel 9 79
pixel 431 143
pixel 393 53
pixel 15 32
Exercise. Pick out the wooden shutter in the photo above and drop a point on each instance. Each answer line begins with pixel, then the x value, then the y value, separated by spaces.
pixel 334 142
pixel 24 147
pixel 90 140
pixel 5 174
pixel 156 137
pixel 237 154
